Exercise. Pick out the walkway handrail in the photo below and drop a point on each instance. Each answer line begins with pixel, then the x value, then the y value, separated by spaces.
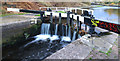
pixel 91 21
pixel 69 9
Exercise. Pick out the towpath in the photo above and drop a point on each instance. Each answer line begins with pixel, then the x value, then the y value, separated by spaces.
pixel 16 18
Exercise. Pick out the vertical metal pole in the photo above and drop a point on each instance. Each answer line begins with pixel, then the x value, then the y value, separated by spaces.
pixel 51 24
pixel 77 27
pixel 72 21
pixel 68 17
pixel 59 18
pixel 60 25
pixel 80 23
pixel 41 16
pixel 77 23
pixel 92 27
pixel 51 18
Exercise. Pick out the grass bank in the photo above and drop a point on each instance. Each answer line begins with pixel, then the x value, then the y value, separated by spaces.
pixel 2 15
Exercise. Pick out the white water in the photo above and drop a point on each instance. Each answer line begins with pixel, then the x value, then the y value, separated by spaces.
pixel 45 28
pixel 66 30
pixel 65 39
pixel 44 36
pixel 56 27
pixel 54 37
pixel 74 35
pixel 69 32
pixel 38 38
pixel 79 36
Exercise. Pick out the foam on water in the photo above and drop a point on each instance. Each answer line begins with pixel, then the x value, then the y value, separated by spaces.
pixel 42 37
pixel 65 39
pixel 56 27
pixel 54 37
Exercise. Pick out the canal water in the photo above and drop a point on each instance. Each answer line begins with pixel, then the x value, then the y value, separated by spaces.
pixel 42 45
pixel 39 45
pixel 106 13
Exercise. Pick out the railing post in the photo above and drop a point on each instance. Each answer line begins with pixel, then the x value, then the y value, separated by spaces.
pixel 59 18
pixel 68 17
pixel 51 18
pixel 72 21
pixel 85 27
pixel 92 27
pixel 41 17
pixel 77 23
pixel 80 23
pixel 77 27
pixel 60 25
pixel 51 24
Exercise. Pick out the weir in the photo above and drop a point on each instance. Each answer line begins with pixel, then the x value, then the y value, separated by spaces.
pixel 84 18
pixel 45 35
pixel 54 31
pixel 54 34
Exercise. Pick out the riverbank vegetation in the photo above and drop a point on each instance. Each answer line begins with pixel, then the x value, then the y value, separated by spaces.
pixel 61 12
pixel 37 15
pixel 2 15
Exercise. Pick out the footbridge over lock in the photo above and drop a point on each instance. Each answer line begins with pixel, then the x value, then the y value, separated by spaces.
pixel 83 16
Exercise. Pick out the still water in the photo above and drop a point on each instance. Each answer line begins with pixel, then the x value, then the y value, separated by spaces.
pixel 106 13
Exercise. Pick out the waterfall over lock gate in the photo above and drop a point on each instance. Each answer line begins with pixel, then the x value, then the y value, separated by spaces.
pixel 74 36
pixel 45 34
pixel 45 28
pixel 56 27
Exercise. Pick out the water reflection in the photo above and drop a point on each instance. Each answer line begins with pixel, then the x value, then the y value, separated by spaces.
pixel 107 13
pixel 112 11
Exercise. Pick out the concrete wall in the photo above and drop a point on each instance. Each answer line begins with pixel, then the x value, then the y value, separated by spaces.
pixel 15 28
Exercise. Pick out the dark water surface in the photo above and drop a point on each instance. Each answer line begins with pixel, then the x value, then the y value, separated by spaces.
pixel 37 50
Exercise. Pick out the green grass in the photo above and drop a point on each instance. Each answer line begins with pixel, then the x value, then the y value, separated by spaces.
pixel 90 58
pixel 101 52
pixel 109 51
pixel 37 15
pixel 61 11
pixel 99 6
pixel 2 15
